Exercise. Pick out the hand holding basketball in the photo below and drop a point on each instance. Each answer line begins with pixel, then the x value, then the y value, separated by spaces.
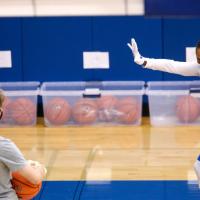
pixel 24 189
pixel 36 164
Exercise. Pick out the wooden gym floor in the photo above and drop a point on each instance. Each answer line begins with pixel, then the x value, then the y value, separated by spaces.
pixel 111 153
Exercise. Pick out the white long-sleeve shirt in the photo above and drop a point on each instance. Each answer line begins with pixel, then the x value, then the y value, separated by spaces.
pixel 175 67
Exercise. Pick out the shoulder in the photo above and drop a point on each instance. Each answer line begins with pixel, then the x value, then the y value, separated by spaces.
pixel 6 145
pixel 4 141
pixel 10 155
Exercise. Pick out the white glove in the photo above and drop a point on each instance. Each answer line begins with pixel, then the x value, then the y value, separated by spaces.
pixel 137 57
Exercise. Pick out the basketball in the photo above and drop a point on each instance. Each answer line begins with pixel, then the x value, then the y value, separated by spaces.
pixel 6 118
pixel 23 111
pixel 23 188
pixel 57 111
pixel 85 111
pixel 106 108
pixel 128 110
pixel 187 109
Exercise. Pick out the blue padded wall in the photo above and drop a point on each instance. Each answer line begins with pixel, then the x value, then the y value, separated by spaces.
pixel 53 48
pixel 10 39
pixel 113 33
pixel 50 48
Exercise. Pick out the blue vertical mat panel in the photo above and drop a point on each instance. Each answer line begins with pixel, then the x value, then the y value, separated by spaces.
pixel 10 39
pixel 53 48
pixel 113 33
pixel 178 34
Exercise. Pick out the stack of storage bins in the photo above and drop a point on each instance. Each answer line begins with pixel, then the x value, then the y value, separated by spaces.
pixel 92 103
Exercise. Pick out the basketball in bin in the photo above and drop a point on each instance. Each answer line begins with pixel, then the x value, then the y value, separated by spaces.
pixel 128 110
pixel 85 111
pixel 106 108
pixel 57 111
pixel 187 109
pixel 23 111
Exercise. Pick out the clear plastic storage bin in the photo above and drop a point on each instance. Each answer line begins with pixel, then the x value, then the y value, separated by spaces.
pixel 174 103
pixel 20 103
pixel 92 103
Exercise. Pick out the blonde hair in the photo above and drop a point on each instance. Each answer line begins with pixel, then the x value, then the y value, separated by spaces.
pixel 2 97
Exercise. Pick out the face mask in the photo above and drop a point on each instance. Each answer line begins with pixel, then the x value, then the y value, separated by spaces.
pixel 198 60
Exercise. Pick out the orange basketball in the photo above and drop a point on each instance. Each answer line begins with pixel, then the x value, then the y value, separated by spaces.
pixel 187 109
pixel 128 110
pixel 57 111
pixel 23 188
pixel 23 111
pixel 106 106
pixel 85 111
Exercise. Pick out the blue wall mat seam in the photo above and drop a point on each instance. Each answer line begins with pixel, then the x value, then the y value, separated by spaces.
pixel 22 48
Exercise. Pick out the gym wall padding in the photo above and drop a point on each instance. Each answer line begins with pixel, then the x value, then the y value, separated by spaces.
pixel 50 48
pixel 11 39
